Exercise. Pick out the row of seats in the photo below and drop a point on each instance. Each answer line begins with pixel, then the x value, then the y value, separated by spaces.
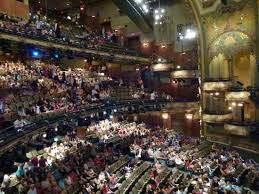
pixel 137 172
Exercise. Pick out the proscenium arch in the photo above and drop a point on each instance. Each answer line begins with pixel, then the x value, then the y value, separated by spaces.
pixel 201 54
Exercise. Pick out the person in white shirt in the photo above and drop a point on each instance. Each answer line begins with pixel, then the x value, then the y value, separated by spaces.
pixel 32 190
pixel 1 106
pixel 152 96
pixel 18 124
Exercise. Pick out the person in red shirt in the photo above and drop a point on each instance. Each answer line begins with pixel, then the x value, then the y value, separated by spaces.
pixel 35 161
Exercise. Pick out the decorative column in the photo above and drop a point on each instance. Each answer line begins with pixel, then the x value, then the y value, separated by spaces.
pixel 257 39
pixel 230 68
pixel 26 2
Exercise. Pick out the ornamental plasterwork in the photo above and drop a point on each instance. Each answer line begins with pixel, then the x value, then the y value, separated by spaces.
pixel 207 3
pixel 231 43
pixel 242 19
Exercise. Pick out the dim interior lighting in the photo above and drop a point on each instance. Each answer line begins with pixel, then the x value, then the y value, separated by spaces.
pixel 44 135
pixel 68 17
pixel 111 116
pixel 181 37
pixel 240 104
pixel 234 104
pixel 216 93
pixel 56 129
pixel 190 34
pixel 174 82
pixel 35 53
pixel 93 16
pixel 138 1
pixel 55 139
pixel 104 112
pixel 162 10
pixel 92 116
pixel 115 110
pixel 211 94
pixel 85 60
pixel 159 60
pixel 137 69
pixel 163 46
pixel 160 22
pixel 145 8
pixel 178 67
pixel 82 8
pixel 188 116
pixel 165 116
pixel 230 108
pixel 145 44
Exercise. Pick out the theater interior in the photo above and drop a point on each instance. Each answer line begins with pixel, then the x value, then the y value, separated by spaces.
pixel 129 96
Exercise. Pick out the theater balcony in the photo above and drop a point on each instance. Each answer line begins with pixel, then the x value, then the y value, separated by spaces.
pixel 217 84
pixel 185 74
pixel 40 123
pixel 53 44
pixel 223 117
pixel 241 128
pixel 237 95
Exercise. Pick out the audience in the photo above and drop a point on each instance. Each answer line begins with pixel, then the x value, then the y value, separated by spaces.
pixel 41 27
pixel 167 161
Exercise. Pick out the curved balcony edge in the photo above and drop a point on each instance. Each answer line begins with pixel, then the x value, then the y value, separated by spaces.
pixel 217 85
pixel 213 118
pixel 239 129
pixel 9 137
pixel 187 74
pixel 48 44
pixel 238 95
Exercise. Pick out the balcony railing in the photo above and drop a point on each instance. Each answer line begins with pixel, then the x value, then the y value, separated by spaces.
pixel 9 135
pixel 80 46
pixel 217 118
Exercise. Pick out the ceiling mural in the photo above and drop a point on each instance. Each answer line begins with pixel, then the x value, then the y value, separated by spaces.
pixel 207 3
pixel 231 43
pixel 242 19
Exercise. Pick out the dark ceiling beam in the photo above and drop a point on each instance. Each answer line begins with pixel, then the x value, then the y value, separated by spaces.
pixel 135 14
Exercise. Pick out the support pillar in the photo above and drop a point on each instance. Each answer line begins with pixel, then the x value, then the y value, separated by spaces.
pixel 257 43
pixel 26 2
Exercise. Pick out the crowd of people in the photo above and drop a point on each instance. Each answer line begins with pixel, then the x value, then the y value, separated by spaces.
pixel 41 27
pixel 156 160
pixel 38 88
pixel 35 88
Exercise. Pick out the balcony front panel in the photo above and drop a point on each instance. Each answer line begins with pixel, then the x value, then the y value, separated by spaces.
pixel 213 118
pixel 48 44
pixel 182 105
pixel 191 74
pixel 239 129
pixel 217 86
pixel 238 96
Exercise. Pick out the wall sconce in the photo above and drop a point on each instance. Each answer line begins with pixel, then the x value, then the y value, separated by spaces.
pixel 189 116
pixel 234 104
pixel 145 44
pixel 165 116
pixel 216 93
pixel 240 104
pixel 163 46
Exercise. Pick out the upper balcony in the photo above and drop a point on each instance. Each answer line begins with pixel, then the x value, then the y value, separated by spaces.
pixel 185 74
pixel 216 117
pixel 242 128
pixel 217 84
pixel 14 31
